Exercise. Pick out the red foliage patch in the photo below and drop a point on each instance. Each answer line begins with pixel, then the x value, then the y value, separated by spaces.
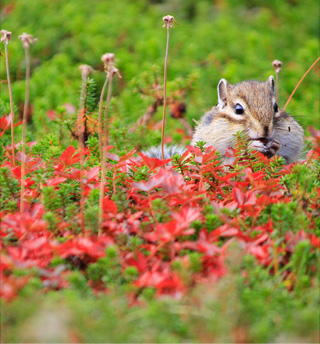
pixel 196 206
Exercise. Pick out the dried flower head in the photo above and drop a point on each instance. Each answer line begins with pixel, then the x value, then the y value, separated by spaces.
pixel 112 70
pixel 107 58
pixel 168 21
pixel 27 40
pixel 277 65
pixel 85 70
pixel 5 36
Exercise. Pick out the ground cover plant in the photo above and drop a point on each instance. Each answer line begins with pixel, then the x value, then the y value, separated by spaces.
pixel 174 250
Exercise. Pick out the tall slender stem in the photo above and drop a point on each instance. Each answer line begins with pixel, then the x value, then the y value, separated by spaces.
pixel 81 146
pixel 277 87
pixel 165 93
pixel 104 146
pixel 106 114
pixel 11 102
pixel 24 128
pixel 305 74
pixel 83 92
pixel 100 127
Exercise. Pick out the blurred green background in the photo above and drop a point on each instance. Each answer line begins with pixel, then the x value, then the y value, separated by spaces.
pixel 235 39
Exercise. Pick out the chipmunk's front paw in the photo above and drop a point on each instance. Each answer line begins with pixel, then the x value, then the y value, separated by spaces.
pixel 268 148
pixel 272 147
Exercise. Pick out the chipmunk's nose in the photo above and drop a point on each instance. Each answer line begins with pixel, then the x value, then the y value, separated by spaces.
pixel 266 130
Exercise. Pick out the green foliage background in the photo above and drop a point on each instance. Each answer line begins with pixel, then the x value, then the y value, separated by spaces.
pixel 236 40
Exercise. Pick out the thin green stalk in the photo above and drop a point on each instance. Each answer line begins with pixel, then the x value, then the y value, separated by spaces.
pixel 24 128
pixel 100 128
pixel 277 65
pixel 168 22
pixel 11 102
pixel 104 146
pixel 106 114
pixel 305 74
pixel 85 71
pixel 277 87
pixel 165 93
pixel 81 146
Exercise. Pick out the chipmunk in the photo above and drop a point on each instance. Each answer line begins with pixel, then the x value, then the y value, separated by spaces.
pixel 249 107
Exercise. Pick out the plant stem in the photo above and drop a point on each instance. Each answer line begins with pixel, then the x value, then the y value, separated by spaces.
pixel 106 114
pixel 277 87
pixel 100 128
pixel 104 146
pixel 305 74
pixel 11 102
pixel 81 147
pixel 165 93
pixel 24 128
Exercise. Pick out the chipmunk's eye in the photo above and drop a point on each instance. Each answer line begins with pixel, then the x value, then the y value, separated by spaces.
pixel 275 107
pixel 239 109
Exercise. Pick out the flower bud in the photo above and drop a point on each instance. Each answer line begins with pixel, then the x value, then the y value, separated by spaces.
pixel 5 36
pixel 85 70
pixel 277 65
pixel 107 58
pixel 168 21
pixel 27 40
pixel 112 71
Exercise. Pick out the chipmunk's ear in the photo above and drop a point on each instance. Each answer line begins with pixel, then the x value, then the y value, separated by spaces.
pixel 222 93
pixel 270 82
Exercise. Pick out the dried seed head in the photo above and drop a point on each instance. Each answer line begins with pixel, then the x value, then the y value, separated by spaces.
pixel 27 40
pixel 5 36
pixel 112 70
pixel 107 58
pixel 85 70
pixel 277 65
pixel 168 21
pixel 109 67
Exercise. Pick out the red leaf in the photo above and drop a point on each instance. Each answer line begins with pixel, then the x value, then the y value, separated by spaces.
pixel 229 153
pixel 92 174
pixel 260 252
pixel 23 157
pixel 194 150
pixel 152 183
pixel 315 241
pixel 128 156
pixel 140 262
pixel 17 124
pixel 56 181
pixel 153 163
pixel 52 114
pixel 5 122
pixel 68 158
pixel 82 246
pixel 17 172
pixel 186 216
pixel 109 206
pixel 112 156
pixel 225 231
pixel 36 243
pixel 244 199
pixel 172 182
pixel 237 195
pixel 314 132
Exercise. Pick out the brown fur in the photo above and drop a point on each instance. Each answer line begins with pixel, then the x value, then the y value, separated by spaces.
pixel 259 121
